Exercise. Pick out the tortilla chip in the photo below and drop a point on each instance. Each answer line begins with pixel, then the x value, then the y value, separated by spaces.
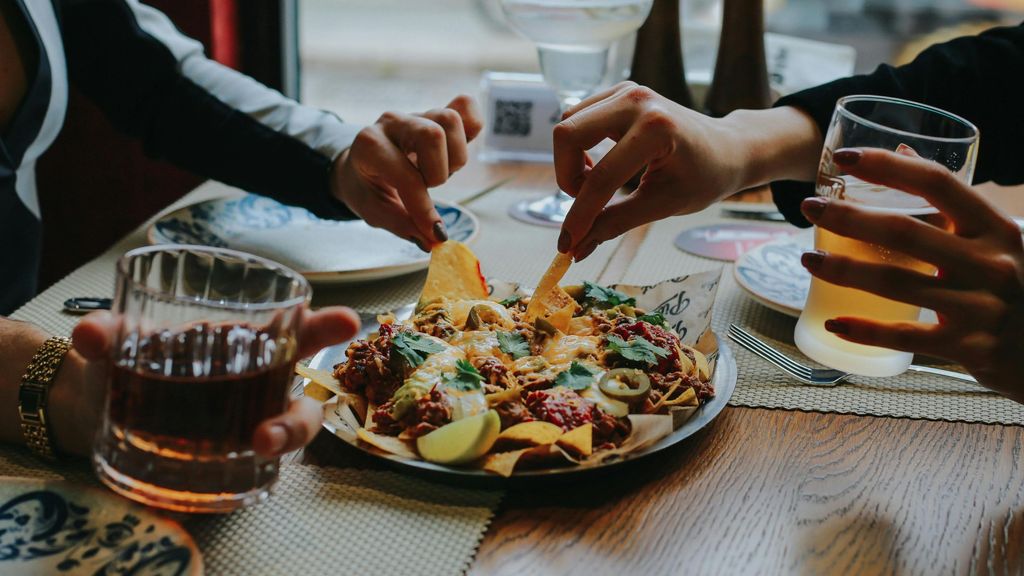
pixel 322 384
pixel 454 273
pixel 547 456
pixel 388 444
pixel 680 415
pixel 703 368
pixel 526 434
pixel 579 441
pixel 560 318
pixel 503 463
pixel 550 280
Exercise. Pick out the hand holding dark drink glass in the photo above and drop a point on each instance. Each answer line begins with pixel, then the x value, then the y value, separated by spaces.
pixel 198 357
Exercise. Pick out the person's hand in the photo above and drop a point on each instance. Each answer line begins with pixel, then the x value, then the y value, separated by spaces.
pixel 678 147
pixel 689 160
pixel 978 293
pixel 385 175
pixel 77 397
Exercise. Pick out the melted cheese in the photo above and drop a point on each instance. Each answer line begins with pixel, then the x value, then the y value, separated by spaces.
pixel 477 343
pixel 436 365
pixel 432 372
pixel 606 404
pixel 495 312
pixel 466 403
pixel 565 348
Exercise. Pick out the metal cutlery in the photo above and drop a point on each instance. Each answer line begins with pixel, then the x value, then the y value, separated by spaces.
pixel 816 376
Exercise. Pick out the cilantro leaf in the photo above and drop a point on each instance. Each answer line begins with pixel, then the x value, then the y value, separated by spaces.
pixel 414 348
pixel 655 319
pixel 638 349
pixel 606 297
pixel 466 377
pixel 511 300
pixel 577 377
pixel 513 344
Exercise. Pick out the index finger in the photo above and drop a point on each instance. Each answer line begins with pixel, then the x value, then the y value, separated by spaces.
pixel 971 212
pixel 572 137
pixel 634 151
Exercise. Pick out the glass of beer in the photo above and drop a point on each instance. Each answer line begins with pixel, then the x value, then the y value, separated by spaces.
pixel 205 352
pixel 906 128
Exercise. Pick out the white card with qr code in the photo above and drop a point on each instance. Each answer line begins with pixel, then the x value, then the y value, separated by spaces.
pixel 520 112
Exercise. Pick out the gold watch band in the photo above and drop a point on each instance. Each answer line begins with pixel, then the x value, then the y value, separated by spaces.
pixel 33 392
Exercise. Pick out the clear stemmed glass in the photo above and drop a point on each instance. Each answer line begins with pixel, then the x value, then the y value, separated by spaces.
pixel 573 39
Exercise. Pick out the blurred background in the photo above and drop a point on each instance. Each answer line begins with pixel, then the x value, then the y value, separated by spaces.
pixel 359 57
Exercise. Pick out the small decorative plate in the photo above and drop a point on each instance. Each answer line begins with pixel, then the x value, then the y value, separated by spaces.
pixel 55 527
pixel 324 251
pixel 772 274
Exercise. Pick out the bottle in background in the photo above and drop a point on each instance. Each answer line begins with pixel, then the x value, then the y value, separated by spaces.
pixel 741 70
pixel 658 56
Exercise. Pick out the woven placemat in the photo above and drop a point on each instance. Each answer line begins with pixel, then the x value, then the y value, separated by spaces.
pixel 324 521
pixel 909 395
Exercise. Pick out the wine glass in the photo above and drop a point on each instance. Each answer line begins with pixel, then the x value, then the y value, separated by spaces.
pixel 573 39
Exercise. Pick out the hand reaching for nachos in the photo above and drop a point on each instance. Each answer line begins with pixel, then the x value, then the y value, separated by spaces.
pixel 385 175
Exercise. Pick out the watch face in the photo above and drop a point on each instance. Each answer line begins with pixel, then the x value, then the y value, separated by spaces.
pixel 29 401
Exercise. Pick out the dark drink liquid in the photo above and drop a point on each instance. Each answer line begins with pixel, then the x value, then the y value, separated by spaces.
pixel 182 410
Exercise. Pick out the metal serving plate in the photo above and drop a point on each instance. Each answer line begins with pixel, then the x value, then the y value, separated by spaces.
pixel 724 379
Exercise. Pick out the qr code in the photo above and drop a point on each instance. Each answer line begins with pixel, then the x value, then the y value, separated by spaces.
pixel 512 117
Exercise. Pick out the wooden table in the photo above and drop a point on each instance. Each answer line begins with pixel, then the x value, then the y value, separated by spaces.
pixel 768 491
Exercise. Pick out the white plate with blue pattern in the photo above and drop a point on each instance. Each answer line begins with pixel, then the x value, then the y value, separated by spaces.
pixel 56 527
pixel 325 251
pixel 772 274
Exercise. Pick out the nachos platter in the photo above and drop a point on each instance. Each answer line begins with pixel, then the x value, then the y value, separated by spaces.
pixel 564 380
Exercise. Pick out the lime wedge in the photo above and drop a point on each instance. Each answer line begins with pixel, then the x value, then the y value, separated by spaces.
pixel 461 441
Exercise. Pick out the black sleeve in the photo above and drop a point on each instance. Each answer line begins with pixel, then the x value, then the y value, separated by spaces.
pixel 155 84
pixel 978 77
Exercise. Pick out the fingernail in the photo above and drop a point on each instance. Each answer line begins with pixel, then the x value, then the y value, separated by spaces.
pixel 812 260
pixel 564 242
pixel 418 244
pixel 847 156
pixel 813 207
pixel 837 326
pixel 586 250
pixel 278 438
pixel 439 232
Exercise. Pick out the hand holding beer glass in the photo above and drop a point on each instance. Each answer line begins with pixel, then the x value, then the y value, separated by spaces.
pixel 905 128
pixel 204 353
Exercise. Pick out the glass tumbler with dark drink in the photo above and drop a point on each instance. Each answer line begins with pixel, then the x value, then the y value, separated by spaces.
pixel 205 353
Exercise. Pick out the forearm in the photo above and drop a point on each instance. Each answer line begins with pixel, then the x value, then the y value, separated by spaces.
pixel 19 342
pixel 156 84
pixel 777 144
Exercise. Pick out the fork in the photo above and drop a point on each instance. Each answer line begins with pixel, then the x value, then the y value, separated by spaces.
pixel 815 376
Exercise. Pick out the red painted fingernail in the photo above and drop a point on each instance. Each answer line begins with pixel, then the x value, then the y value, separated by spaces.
pixel 847 156
pixel 813 207
pixel 813 259
pixel 586 250
pixel 837 326
pixel 564 242
pixel 439 232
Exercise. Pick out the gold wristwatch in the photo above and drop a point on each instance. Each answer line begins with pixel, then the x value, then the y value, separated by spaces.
pixel 32 395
